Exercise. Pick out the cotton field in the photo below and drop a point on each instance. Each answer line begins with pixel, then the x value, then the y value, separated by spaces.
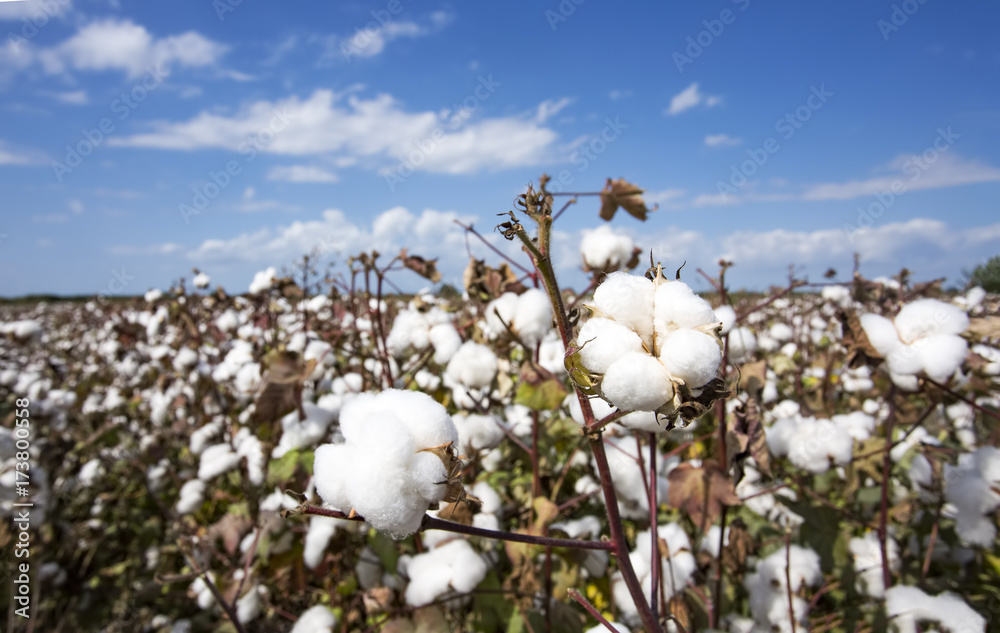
pixel 512 455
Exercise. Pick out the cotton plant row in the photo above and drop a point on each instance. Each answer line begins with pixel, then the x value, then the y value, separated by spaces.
pixel 438 429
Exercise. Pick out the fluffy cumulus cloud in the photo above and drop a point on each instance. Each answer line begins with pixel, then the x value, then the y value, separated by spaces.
pixel 378 132
pixel 301 173
pixel 113 44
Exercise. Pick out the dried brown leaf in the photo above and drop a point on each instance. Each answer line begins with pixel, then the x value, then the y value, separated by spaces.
pixel 701 492
pixel 621 193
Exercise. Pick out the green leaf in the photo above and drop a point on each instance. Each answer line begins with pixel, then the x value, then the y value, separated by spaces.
pixel 384 548
pixel 281 470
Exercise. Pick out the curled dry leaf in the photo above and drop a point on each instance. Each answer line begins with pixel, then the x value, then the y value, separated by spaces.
pixel 426 268
pixel 701 492
pixel 621 193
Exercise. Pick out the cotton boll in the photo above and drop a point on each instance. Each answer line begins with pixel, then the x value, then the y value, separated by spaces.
pixel 262 280
pixel 477 432
pixel 321 530
pixel 691 356
pixel 727 316
pixel 742 345
pixel 881 333
pixel 676 306
pixel 641 421
pixel 491 503
pixel 192 495
pixel 533 316
pixel 926 317
pixel 628 299
pixel 216 460
pixel 317 619
pixel 603 341
pixel 600 408
pixel 780 332
pixel 867 553
pixel 473 365
pixel 499 312
pixel 446 341
pixel 249 606
pixel 941 355
pixel 426 420
pixel 912 604
pixel 637 382
pixel 329 462
pixel 454 565
pixel 428 475
pixel 605 249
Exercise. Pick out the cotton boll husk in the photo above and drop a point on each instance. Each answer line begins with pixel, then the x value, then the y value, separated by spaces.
pixel 691 356
pixel 446 341
pixel 676 306
pixel 927 317
pixel 941 355
pixel 473 365
pixel 637 382
pixel 603 341
pixel 533 316
pixel 628 299
pixel 316 619
pixel 881 333
pixel 742 344
pixel 727 316
pixel 477 432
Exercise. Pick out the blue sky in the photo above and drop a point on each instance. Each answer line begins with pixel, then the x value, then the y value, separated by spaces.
pixel 232 137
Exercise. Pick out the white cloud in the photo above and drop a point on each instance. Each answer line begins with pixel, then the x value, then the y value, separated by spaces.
pixel 155 249
pixel 912 173
pixel 12 156
pixel 664 197
pixel 76 97
pixel 75 206
pixel 301 173
pixel 372 38
pixel 112 44
pixel 377 131
pixel 547 109
pixel 722 140
pixel 615 95
pixel 334 236
pixel 689 98
pixel 35 9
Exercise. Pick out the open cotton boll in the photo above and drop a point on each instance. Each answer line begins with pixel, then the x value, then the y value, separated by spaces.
pixel 637 382
pixel 321 530
pixel 477 432
pixel 446 341
pixel 604 341
pixel 867 553
pixel 742 345
pixel 941 354
pixel 409 329
pixel 262 280
pixel 691 356
pixel 316 619
pixel 927 317
pixel 677 306
pixel 727 316
pixel 601 408
pixel 499 312
pixel 491 503
pixel 617 626
pixel 426 420
pixel 605 249
pixel 473 365
pixel 216 460
pixel 454 566
pixel 192 495
pixel 628 299
pixel 201 280
pixel 249 606
pixel 533 316
pixel 911 603
pixel 881 333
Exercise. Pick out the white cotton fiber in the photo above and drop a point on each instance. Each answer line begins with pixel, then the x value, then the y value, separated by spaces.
pixel 941 355
pixel 881 333
pixel 474 366
pixel 382 470
pixel 192 495
pixel 676 306
pixel 727 316
pixel 742 345
pixel 262 280
pixel 216 460
pixel 446 341
pixel 691 355
pixel 867 553
pixel 946 608
pixel 628 299
pixel 605 249
pixel 317 619
pixel 321 530
pixel 637 382
pixel 499 312
pixel 454 566
pixel 604 341
pixel 488 496
pixel 477 432
pixel 533 318
pixel 926 317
